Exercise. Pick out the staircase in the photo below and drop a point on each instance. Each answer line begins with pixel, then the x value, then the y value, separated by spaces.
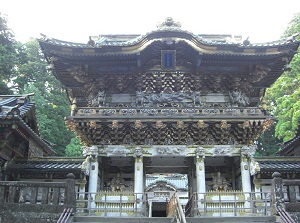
pixel 248 219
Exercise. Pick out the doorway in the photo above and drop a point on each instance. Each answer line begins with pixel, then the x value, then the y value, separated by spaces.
pixel 159 209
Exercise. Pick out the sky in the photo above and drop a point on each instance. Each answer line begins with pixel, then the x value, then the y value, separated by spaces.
pixel 76 20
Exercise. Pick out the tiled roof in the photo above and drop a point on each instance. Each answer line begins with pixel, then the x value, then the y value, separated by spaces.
pixel 18 102
pixel 279 164
pixel 201 38
pixel 178 182
pixel 47 165
pixel 16 107
pixel 288 147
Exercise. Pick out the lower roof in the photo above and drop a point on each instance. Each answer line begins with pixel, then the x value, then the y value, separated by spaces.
pixel 46 165
pixel 278 164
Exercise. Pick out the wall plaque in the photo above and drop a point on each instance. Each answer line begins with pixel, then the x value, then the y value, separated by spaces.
pixel 168 59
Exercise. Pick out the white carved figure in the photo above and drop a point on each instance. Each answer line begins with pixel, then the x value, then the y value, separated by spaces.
pixel 140 97
pixel 248 151
pixel 138 152
pixel 237 97
pixel 197 98
pixel 199 151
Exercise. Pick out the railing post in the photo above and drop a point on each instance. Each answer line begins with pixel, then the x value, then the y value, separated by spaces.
pixel 277 197
pixel 2 193
pixel 70 193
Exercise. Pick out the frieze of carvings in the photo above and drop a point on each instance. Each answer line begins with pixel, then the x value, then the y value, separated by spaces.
pixel 169 150
pixel 190 111
pixel 107 112
pixel 238 98
pixel 248 151
pixel 211 111
pixel 167 97
pixel 232 111
pixel 116 150
pixel 222 150
pixel 79 73
pixel 169 112
pixel 149 111
pixel 176 132
pixel 128 112
pixel 169 23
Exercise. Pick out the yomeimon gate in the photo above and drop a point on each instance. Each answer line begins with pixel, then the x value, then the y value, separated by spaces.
pixel 168 102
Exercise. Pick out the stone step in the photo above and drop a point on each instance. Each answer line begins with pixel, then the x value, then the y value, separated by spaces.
pixel 239 219
pixel 204 219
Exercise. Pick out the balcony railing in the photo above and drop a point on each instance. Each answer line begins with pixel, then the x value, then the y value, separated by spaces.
pixel 200 204
pixel 229 203
pixel 29 201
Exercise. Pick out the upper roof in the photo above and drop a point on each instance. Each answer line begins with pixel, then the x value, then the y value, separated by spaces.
pixel 76 64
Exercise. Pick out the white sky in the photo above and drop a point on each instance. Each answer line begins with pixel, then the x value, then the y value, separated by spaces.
pixel 75 20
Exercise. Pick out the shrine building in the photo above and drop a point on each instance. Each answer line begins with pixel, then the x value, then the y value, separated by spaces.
pixel 171 111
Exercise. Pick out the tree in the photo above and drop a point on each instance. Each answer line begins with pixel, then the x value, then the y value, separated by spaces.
pixel 50 97
pixel 283 97
pixel 267 144
pixel 74 148
pixel 9 56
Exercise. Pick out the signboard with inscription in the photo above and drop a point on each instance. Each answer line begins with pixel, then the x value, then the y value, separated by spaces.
pixel 168 59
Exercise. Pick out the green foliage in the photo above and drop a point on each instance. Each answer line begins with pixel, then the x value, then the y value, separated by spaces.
pixel 294 26
pixel 50 98
pixel 8 56
pixel 267 144
pixel 283 97
pixel 23 70
pixel 74 148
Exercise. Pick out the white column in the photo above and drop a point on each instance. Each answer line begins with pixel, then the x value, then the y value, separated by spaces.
pixel 200 178
pixel 246 181
pixel 138 176
pixel 93 181
pixel 91 166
